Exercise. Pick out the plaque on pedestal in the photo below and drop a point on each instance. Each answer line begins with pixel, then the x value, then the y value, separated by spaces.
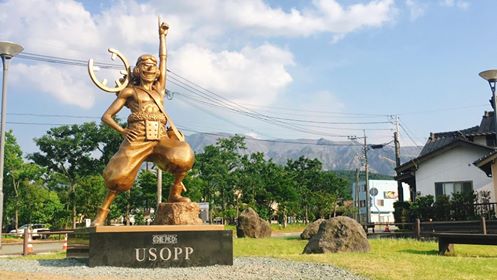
pixel 152 246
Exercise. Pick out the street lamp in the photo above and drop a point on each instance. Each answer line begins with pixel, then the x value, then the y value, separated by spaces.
pixel 491 77
pixel 7 51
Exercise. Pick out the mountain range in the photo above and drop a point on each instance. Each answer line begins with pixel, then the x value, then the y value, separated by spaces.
pixel 335 155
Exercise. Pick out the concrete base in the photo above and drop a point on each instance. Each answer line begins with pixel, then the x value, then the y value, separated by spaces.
pixel 178 213
pixel 152 246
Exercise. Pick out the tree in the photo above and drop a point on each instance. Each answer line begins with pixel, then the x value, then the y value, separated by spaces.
pixel 70 153
pixel 12 164
pixel 217 167
pixel 140 199
pixel 266 186
pixel 329 190
pixel 320 192
pixel 39 205
pixel 89 195
pixel 305 172
pixel 27 200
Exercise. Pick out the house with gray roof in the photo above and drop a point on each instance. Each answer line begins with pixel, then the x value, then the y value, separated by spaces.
pixel 446 163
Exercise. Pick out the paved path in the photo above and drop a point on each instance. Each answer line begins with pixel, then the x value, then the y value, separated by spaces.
pixel 38 247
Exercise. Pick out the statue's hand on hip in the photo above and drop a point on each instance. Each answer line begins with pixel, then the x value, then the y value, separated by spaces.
pixel 130 135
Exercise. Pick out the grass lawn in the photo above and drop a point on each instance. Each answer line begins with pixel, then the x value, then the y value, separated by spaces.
pixel 11 239
pixel 388 258
pixel 276 228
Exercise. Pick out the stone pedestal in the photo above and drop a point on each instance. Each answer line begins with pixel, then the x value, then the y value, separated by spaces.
pixel 178 213
pixel 152 246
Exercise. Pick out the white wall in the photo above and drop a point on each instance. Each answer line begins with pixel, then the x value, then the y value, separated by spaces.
pixel 451 166
pixel 385 211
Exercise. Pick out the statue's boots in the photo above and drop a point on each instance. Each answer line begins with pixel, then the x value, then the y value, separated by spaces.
pixel 100 218
pixel 175 194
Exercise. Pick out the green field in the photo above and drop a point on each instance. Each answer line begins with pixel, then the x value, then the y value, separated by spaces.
pixel 388 258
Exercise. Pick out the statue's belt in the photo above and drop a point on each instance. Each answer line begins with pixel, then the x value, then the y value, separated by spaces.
pixel 143 116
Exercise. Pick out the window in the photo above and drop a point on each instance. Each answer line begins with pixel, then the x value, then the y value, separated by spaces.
pixel 380 202
pixel 362 203
pixel 448 188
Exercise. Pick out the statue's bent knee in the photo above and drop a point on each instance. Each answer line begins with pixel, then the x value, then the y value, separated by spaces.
pixel 117 181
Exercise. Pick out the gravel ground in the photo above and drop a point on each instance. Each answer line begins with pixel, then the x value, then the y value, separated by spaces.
pixel 243 268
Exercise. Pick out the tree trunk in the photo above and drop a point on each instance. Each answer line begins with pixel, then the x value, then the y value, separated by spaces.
pixel 17 219
pixel 126 215
pixel 74 215
pixel 16 190
pixel 285 221
pixel 73 196
pixel 335 209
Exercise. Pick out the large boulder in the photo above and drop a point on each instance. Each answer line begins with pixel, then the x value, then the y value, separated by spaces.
pixel 311 229
pixel 251 225
pixel 178 213
pixel 339 234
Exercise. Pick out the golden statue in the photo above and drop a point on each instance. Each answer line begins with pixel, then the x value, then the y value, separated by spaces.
pixel 146 137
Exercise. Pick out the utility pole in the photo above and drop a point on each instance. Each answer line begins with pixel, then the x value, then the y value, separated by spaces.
pixel 356 196
pixel 400 190
pixel 366 179
pixel 366 171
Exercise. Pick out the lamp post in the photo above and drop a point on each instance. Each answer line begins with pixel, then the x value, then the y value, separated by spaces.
pixel 7 51
pixel 491 77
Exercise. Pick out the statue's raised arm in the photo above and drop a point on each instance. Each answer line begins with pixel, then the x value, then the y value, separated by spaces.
pixel 161 81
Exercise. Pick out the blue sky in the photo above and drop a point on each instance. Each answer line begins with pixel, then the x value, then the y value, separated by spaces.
pixel 315 69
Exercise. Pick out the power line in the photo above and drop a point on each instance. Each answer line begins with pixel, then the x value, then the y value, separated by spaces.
pixel 211 133
pixel 217 116
pixel 67 61
pixel 81 62
pixel 53 115
pixel 409 136
pixel 33 123
pixel 210 97
pixel 193 85
pixel 254 115
pixel 186 100
pixel 442 109
pixel 335 114
pixel 276 141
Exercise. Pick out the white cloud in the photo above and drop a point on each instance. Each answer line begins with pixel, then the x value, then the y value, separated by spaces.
pixel 257 17
pixel 64 28
pixel 63 83
pixel 461 4
pixel 252 75
pixel 200 36
pixel 343 20
pixel 415 8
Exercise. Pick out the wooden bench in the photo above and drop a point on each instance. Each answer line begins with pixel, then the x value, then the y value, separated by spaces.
pixel 446 241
